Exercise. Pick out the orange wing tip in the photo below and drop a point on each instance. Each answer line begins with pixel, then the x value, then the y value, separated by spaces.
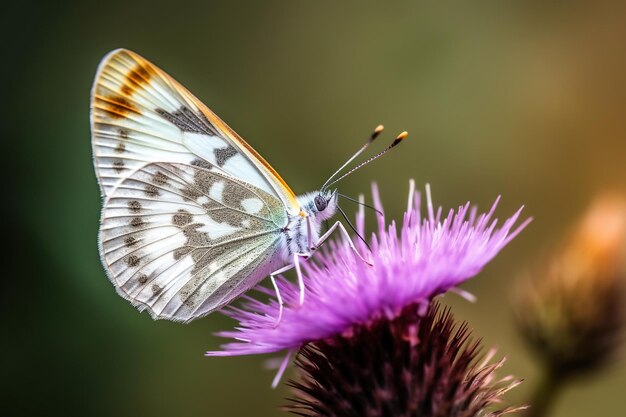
pixel 134 78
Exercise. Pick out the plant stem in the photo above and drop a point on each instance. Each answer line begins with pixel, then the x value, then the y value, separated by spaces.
pixel 544 396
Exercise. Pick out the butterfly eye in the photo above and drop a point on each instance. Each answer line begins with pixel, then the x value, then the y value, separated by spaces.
pixel 320 202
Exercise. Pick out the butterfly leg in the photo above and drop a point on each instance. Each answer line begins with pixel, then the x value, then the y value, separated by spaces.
pixel 341 227
pixel 296 265
pixel 281 368
pixel 279 299
pixel 308 232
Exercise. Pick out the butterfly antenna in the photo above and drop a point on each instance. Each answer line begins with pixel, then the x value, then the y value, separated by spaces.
pixel 343 214
pixel 360 203
pixel 398 139
pixel 373 136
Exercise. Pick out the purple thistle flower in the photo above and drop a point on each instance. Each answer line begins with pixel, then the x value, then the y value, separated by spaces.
pixel 426 257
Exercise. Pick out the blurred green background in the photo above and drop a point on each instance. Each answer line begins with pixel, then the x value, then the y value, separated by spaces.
pixel 520 98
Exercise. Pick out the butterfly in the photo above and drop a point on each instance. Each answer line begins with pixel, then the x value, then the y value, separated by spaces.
pixel 192 215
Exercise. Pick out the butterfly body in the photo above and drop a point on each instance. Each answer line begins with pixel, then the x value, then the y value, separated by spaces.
pixel 192 215
pixel 303 229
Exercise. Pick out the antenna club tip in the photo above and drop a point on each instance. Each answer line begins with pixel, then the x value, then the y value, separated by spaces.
pixel 402 135
pixel 379 129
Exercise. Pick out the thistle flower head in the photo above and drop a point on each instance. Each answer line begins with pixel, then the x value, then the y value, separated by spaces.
pixel 411 264
pixel 410 365
pixel 570 308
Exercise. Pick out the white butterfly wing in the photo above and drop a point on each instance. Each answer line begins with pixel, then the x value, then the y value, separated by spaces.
pixel 139 114
pixel 192 214
pixel 182 241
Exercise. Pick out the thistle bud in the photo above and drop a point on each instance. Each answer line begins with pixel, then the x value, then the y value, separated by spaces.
pixel 570 309
pixel 411 365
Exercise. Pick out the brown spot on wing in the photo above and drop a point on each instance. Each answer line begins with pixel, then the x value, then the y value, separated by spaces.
pixel 159 178
pixel 182 218
pixel 201 163
pixel 143 278
pixel 136 77
pixel 132 260
pixel 189 120
pixel 222 155
pixel 151 190
pixel 134 206
pixel 137 222
pixel 120 148
pixel 202 181
pixel 156 290
pixel 117 107
pixel 180 252
pixel 130 241
pixel 118 165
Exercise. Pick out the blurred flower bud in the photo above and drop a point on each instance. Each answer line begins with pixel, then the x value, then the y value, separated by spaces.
pixel 570 309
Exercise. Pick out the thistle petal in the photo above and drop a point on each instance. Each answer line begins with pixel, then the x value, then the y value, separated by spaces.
pixel 424 258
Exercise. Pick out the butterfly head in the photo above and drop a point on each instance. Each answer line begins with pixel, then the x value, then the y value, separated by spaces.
pixel 325 204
